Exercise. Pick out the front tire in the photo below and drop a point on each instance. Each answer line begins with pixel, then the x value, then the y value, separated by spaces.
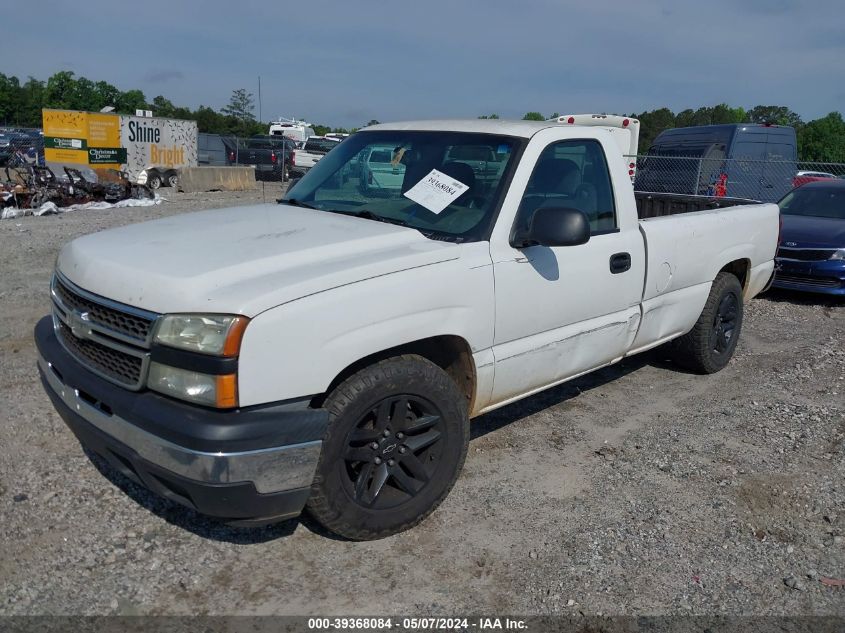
pixel 154 180
pixel 709 346
pixel 397 439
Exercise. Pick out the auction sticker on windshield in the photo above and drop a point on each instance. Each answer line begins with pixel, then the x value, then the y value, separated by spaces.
pixel 436 191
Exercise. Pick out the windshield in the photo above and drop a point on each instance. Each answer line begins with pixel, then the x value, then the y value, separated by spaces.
pixel 819 202
pixel 447 185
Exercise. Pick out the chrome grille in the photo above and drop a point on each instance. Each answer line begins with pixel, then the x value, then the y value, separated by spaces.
pixel 110 339
pixel 806 254
pixel 133 325
pixel 116 365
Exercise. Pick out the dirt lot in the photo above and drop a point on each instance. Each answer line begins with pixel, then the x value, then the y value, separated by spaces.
pixel 640 489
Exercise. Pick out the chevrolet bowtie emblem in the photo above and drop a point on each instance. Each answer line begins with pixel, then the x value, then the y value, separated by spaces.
pixel 78 322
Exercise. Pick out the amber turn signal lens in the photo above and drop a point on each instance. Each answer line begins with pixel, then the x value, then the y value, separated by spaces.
pixel 227 391
pixel 232 346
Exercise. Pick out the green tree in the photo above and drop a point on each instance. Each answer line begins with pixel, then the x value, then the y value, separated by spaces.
pixel 209 121
pixel 61 90
pixel 685 118
pixel 653 123
pixel 182 113
pixel 321 130
pixel 84 97
pixel 779 115
pixel 130 101
pixel 11 100
pixel 533 116
pixel 32 101
pixel 163 107
pixel 371 122
pixel 241 106
pixel 489 116
pixel 107 94
pixel 723 113
pixel 823 140
pixel 554 115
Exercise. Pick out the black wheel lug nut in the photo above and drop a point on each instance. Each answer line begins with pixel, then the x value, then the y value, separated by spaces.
pixel 386 433
pixel 402 449
pixel 377 460
pixel 374 445
pixel 400 435
pixel 391 462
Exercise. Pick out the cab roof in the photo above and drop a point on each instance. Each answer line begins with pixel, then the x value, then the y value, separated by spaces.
pixel 525 129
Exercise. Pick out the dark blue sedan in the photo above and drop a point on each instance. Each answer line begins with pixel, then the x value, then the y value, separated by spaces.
pixel 811 255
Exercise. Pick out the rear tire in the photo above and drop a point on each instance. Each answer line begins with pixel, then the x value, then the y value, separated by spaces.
pixel 396 442
pixel 709 346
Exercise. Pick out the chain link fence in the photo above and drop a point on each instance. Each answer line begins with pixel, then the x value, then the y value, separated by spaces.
pixel 763 180
pixel 276 159
pixel 280 160
pixel 20 147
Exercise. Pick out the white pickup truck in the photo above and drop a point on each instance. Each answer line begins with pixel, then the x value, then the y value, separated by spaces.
pixel 328 352
pixel 310 154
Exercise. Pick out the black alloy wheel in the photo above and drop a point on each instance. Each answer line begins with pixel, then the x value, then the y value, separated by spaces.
pixel 393 451
pixel 724 324
pixel 709 346
pixel 396 442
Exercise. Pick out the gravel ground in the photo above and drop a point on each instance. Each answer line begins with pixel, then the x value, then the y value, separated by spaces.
pixel 639 489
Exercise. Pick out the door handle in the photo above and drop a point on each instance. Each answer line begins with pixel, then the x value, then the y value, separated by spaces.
pixel 620 262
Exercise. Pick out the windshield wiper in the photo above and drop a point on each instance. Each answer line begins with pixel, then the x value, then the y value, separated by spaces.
pixel 369 215
pixel 366 213
pixel 298 203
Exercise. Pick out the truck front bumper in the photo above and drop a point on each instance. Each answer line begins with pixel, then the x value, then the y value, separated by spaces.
pixel 248 466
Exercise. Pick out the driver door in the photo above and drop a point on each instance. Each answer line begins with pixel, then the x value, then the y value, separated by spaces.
pixel 562 311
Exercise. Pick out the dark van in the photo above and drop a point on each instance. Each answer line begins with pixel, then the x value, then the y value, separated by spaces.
pixel 742 160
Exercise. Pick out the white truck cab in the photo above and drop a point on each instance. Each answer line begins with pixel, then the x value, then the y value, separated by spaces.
pixel 329 352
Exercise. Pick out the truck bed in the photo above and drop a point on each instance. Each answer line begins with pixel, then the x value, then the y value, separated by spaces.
pixel 653 205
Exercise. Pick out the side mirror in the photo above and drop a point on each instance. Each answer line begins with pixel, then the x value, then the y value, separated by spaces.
pixel 555 226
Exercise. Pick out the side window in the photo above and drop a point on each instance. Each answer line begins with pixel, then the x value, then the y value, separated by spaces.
pixel 571 174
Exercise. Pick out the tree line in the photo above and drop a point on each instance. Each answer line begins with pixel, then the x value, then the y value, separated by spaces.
pixel 21 104
pixel 821 140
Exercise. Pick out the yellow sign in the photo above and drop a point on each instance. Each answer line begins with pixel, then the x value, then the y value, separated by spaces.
pixel 103 130
pixel 71 136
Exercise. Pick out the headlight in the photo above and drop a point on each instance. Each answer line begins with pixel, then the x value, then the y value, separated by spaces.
pixel 840 254
pixel 217 334
pixel 211 391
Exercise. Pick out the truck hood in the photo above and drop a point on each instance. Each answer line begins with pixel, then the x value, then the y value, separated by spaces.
pixel 242 260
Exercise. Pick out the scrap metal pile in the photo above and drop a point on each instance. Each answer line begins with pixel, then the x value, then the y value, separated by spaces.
pixel 35 185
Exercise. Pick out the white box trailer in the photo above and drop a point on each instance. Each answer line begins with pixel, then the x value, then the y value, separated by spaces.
pixel 624 130
pixel 156 148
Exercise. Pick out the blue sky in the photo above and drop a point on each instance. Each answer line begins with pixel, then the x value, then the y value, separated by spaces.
pixel 343 63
